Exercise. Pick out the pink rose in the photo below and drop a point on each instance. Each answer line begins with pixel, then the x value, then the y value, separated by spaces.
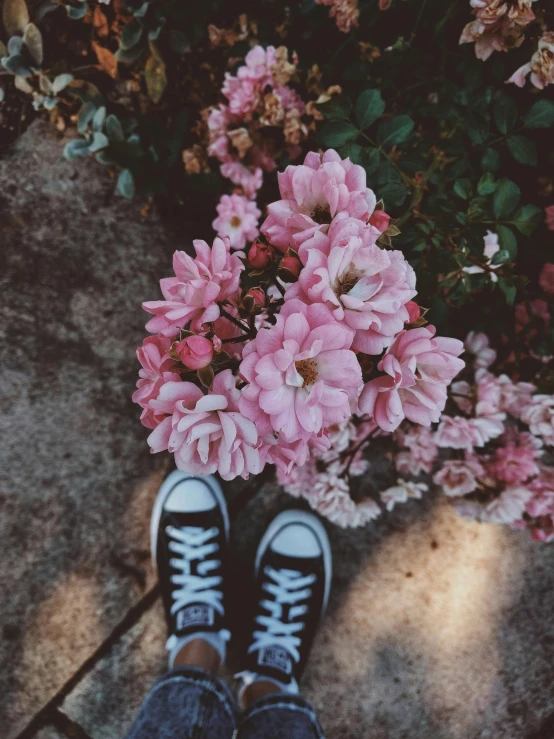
pixel 459 477
pixel 456 433
pixel 549 217
pixel 418 368
pixel 157 369
pixel 199 284
pixel 195 352
pixel 301 373
pixel 207 433
pixel 312 195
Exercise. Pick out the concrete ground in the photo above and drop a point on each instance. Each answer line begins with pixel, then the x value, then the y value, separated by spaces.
pixel 437 627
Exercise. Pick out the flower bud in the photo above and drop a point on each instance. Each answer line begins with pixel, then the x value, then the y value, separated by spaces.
pixel 195 352
pixel 414 311
pixel 260 255
pixel 380 220
pixel 290 267
pixel 254 300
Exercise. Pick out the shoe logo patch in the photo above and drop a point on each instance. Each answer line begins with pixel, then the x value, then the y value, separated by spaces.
pixel 196 615
pixel 276 658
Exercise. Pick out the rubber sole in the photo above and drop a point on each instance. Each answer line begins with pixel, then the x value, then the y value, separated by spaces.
pixel 167 486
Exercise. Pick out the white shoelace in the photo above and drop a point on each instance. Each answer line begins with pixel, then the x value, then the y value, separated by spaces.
pixel 193 543
pixel 288 587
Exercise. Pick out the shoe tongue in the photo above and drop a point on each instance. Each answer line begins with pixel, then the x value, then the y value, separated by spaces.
pixel 275 658
pixel 197 615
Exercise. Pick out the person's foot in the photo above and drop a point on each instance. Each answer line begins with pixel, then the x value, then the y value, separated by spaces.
pixel 292 581
pixel 189 537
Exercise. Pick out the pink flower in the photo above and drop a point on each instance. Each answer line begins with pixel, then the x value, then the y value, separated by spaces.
pixel 156 370
pixel 207 433
pixel 541 65
pixel 539 415
pixel 513 464
pixel 402 492
pixel 514 396
pixel 249 179
pixel 365 286
pixel 509 507
pixel 312 195
pixel 418 368
pixel 421 454
pixel 459 476
pixel 456 433
pixel 540 507
pixel 546 279
pixel 302 375
pixel 190 296
pixel 346 12
pixel 195 352
pixel 237 218
pixel 260 255
pixel 549 217
pixel 478 345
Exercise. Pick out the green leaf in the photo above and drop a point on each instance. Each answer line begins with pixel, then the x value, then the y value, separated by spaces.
pixel 505 199
pixel 393 193
pixel 15 16
pixel 508 289
pixel 337 133
pixel 99 141
pixel 369 106
pixel 156 79
pixel 527 219
pixel 76 13
pixel 61 82
pixel 16 65
pixel 507 240
pixel 32 38
pixel 76 148
pixel 522 149
pixel 487 184
pixel 462 189
pixel 540 114
pixel 393 131
pixel 490 161
pixel 505 113
pixel 131 34
pixel 337 108
pixel 99 118
pixel 500 257
pixel 114 128
pixel 477 128
pixel 126 184
pixel 85 116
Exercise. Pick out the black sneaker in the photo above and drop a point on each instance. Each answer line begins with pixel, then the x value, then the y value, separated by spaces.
pixel 292 581
pixel 189 534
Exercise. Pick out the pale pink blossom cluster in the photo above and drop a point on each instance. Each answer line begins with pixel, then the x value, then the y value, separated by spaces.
pixel 500 25
pixel 489 453
pixel 237 219
pixel 295 353
pixel 258 98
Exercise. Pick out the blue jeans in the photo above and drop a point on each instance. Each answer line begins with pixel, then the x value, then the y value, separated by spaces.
pixel 188 703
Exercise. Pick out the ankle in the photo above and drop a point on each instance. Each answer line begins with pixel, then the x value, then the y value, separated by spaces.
pixel 258 690
pixel 198 653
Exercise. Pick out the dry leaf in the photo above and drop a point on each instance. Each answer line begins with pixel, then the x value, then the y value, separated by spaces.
pixel 100 22
pixel 106 59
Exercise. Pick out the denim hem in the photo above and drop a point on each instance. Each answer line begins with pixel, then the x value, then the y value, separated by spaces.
pixel 286 701
pixel 199 677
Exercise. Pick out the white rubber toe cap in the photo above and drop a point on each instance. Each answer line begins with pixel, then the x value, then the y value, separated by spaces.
pixel 296 540
pixel 190 496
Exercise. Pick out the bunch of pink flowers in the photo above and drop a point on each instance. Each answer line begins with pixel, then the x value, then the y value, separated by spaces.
pixel 490 452
pixel 258 99
pixel 298 351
